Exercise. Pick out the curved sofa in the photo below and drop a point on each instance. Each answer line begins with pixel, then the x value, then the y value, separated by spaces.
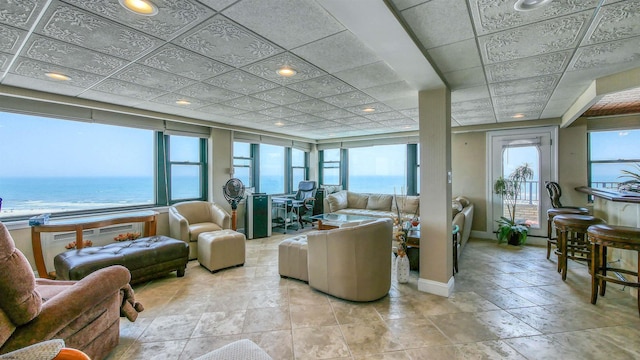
pixel 351 263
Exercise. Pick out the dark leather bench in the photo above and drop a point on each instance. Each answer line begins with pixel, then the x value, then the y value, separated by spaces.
pixel 146 258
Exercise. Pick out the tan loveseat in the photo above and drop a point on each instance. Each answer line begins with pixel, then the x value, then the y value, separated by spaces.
pixel 189 219
pixel 384 206
pixel 353 262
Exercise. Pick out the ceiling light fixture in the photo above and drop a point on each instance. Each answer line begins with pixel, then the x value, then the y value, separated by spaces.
pixel 528 5
pixel 518 116
pixel 286 71
pixel 140 7
pixel 278 123
pixel 183 102
pixel 368 109
pixel 57 76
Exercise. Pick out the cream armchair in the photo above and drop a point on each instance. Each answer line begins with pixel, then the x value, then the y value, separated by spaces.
pixel 352 263
pixel 189 219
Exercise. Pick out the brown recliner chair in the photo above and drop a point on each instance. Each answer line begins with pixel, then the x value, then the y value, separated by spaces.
pixel 189 219
pixel 85 313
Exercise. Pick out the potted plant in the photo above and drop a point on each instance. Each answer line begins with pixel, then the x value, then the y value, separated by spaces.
pixel 509 229
pixel 632 185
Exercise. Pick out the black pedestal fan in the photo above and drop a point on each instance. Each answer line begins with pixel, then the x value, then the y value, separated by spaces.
pixel 234 192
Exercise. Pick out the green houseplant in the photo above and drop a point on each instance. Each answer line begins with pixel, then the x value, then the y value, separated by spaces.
pixel 509 229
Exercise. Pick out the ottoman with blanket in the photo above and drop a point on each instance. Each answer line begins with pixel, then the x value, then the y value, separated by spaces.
pixel 146 258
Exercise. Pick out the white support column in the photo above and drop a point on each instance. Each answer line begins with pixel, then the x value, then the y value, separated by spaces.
pixel 436 250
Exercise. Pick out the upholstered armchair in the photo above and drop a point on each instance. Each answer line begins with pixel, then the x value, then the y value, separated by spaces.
pixel 352 263
pixel 189 219
pixel 85 313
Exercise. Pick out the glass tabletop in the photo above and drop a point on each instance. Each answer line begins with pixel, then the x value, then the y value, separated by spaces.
pixel 340 217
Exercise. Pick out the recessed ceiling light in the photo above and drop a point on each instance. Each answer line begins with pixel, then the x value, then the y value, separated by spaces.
pixel 278 123
pixel 368 109
pixel 518 116
pixel 57 76
pixel 183 102
pixel 140 7
pixel 286 71
pixel 527 5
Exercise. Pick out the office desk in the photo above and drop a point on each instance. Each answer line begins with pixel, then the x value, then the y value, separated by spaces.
pixel 287 207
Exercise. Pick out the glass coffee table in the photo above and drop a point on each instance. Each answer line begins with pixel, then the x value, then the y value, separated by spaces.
pixel 333 221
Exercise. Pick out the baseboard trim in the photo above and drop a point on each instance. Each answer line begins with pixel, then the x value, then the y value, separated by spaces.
pixel 437 288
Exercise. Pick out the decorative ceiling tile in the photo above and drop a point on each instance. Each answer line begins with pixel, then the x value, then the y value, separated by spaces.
pixel 268 68
pixel 222 110
pixel 400 89
pixel 433 25
pixel 384 116
pixel 217 5
pixel 153 78
pixel 117 87
pixel 349 99
pixel 472 93
pixel 312 106
pixel 254 117
pixel 460 79
pixel 281 96
pixel 171 99
pixel 403 4
pixel 248 103
pixel 322 86
pixel 327 124
pixel 507 45
pixel 305 22
pixel 497 15
pixel 172 17
pixel 305 119
pixel 370 75
pixel 540 83
pixel 10 39
pixel 20 13
pixel 411 113
pixel 121 100
pixel 179 61
pixel 622 52
pixel 508 117
pixel 242 82
pixel 407 102
pixel 614 22
pixel 4 61
pixel 529 67
pixel 472 105
pixel 334 114
pixel 523 108
pixel 353 120
pixel 401 122
pixel 208 92
pixel 37 69
pixel 457 56
pixel 75 57
pixel 222 39
pixel 337 52
pixel 379 108
pixel 90 31
pixel 280 112
pixel 477 120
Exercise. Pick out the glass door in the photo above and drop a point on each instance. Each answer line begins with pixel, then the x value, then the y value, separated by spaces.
pixel 510 149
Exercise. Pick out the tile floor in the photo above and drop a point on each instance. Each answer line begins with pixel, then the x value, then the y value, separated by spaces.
pixel 508 303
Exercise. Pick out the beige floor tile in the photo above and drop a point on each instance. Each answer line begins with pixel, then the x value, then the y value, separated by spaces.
pixel 371 338
pixel 312 315
pixel 202 345
pixel 220 323
pixel 170 327
pixel 319 342
pixel 278 344
pixel 267 319
pixel 162 350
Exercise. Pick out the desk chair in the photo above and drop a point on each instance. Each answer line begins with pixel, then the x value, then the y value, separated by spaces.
pixel 304 201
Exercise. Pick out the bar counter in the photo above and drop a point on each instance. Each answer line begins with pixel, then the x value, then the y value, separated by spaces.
pixel 617 208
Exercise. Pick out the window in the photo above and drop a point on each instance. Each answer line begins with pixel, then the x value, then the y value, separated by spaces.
pixel 187 167
pixel 53 166
pixel 610 152
pixel 378 169
pixel 243 163
pixel 298 167
pixel 272 172
pixel 331 167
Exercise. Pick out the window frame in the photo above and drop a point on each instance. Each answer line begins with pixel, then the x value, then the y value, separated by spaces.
pixel 201 164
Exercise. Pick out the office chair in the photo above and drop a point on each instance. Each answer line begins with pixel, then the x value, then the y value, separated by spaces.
pixel 304 201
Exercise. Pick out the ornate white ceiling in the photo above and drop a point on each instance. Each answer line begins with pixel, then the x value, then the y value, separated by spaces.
pixel 222 57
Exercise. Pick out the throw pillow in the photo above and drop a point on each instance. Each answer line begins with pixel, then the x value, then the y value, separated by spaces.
pixel 337 201
pixel 408 205
pixel 357 201
pixel 456 207
pixel 463 200
pixel 379 202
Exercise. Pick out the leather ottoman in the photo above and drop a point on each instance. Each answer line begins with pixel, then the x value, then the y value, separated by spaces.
pixel 221 249
pixel 146 258
pixel 292 258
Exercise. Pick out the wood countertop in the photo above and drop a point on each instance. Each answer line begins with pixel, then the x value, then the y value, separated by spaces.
pixel 611 195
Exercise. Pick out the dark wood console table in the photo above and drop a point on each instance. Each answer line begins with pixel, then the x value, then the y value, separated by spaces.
pixel 79 224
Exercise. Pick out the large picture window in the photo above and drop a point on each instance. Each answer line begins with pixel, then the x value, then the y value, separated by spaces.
pixel 378 169
pixel 272 172
pixel 331 167
pixel 610 152
pixel 243 163
pixel 298 167
pixel 52 166
pixel 187 166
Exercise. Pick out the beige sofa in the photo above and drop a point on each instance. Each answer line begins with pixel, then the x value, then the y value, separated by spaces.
pixel 353 262
pixel 189 219
pixel 384 206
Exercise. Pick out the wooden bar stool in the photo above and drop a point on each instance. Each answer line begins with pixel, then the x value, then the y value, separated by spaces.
pixel 551 213
pixel 602 237
pixel 572 241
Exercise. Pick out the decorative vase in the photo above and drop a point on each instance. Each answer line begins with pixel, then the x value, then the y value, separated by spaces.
pixel 402 268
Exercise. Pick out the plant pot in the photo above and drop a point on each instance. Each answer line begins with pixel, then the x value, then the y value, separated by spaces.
pixel 514 239
pixel 402 268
